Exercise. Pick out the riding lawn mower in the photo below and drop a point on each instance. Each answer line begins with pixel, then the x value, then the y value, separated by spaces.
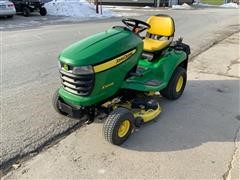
pixel 114 74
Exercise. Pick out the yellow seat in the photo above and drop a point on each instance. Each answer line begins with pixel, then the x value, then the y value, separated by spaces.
pixel 160 34
pixel 154 45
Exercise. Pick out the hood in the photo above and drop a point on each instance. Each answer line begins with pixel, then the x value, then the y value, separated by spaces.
pixel 100 47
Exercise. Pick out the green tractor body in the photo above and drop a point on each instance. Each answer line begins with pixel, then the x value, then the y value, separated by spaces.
pixel 114 64
pixel 95 51
pixel 105 47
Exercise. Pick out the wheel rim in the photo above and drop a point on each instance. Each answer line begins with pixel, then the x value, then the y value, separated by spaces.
pixel 124 128
pixel 179 84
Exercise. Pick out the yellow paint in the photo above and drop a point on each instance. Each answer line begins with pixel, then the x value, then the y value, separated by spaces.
pixel 161 25
pixel 145 115
pixel 65 67
pixel 127 105
pixel 154 45
pixel 151 93
pixel 148 115
pixel 124 128
pixel 179 84
pixel 113 62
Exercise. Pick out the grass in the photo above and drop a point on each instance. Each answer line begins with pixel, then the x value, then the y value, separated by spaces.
pixel 213 2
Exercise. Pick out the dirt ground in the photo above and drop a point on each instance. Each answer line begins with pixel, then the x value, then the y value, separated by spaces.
pixel 195 137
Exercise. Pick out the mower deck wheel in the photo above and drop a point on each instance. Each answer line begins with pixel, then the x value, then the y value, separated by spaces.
pixel 118 126
pixel 176 84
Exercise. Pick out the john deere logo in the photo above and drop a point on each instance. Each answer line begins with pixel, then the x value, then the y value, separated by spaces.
pixel 65 67
pixel 124 57
pixel 114 62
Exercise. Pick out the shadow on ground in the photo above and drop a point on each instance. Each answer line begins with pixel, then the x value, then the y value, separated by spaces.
pixel 208 111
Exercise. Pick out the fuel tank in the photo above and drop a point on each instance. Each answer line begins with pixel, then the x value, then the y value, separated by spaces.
pixel 102 47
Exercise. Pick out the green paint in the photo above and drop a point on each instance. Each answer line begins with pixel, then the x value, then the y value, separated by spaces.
pixel 160 70
pixel 100 47
pixel 213 2
pixel 106 46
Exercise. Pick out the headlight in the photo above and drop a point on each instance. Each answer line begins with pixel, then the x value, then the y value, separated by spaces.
pixel 83 70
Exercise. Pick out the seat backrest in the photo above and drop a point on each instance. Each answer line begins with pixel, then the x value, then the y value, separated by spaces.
pixel 161 25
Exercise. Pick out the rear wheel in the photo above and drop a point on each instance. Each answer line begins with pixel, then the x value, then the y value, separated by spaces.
pixel 43 11
pixel 118 126
pixel 10 16
pixel 176 84
pixel 26 11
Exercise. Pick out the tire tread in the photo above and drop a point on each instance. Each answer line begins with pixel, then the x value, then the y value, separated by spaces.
pixel 169 92
pixel 111 122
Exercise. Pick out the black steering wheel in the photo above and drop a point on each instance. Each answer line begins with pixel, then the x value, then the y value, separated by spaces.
pixel 136 25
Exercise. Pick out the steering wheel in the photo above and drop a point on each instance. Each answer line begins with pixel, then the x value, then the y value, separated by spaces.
pixel 136 25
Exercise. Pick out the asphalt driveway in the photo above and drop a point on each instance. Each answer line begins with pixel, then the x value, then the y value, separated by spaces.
pixel 29 73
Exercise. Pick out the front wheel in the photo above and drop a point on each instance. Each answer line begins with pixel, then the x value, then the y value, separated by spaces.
pixel 118 126
pixel 43 11
pixel 176 84
pixel 56 104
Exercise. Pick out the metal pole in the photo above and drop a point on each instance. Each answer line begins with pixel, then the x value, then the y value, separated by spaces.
pixel 101 6
pixel 170 3
pixel 97 7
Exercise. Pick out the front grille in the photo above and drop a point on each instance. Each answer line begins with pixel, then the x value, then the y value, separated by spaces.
pixel 77 84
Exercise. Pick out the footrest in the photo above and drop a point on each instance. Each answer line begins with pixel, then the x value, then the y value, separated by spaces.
pixel 153 83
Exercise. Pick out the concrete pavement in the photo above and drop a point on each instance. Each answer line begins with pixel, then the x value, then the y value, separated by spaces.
pixel 30 75
pixel 196 137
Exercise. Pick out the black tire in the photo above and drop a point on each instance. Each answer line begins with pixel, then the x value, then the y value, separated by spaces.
pixel 55 103
pixel 43 11
pixel 170 92
pixel 113 123
pixel 26 11
pixel 10 16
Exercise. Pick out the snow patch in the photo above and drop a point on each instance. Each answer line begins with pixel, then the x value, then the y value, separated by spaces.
pixel 227 5
pixel 146 7
pixel 230 5
pixel 75 8
pixel 183 6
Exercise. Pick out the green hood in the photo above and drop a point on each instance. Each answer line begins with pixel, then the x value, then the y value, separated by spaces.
pixel 100 47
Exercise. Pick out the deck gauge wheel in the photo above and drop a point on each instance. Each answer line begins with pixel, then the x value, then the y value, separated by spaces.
pixel 118 126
